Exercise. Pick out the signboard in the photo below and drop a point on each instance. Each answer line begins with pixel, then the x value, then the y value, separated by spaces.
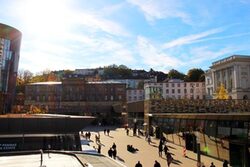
pixel 8 146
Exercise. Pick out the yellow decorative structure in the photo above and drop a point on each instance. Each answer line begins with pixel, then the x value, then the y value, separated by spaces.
pixel 221 92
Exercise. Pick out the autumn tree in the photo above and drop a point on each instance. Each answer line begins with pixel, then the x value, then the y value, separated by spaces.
pixel 23 77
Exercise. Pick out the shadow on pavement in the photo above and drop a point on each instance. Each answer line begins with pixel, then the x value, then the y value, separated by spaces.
pixel 120 159
pixel 171 147
pixel 177 162
pixel 191 158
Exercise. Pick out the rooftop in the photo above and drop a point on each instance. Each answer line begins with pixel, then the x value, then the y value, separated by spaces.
pixel 58 159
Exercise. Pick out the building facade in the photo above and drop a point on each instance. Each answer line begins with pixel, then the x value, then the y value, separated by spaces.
pixel 175 89
pixel 10 41
pixel 134 95
pixel 78 97
pixel 234 73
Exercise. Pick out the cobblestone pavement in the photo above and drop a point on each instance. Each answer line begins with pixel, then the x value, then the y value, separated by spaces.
pixel 147 153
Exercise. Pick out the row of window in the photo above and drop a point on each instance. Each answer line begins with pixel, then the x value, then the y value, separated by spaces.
pixel 185 84
pixel 179 91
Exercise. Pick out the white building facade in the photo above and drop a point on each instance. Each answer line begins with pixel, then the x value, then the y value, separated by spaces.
pixel 134 95
pixel 234 73
pixel 176 89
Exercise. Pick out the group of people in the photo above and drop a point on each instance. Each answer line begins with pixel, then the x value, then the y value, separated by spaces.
pixel 106 132
pixel 156 164
pixel 112 152
pixel 87 135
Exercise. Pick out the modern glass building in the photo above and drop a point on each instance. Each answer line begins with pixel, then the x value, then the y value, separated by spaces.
pixel 10 41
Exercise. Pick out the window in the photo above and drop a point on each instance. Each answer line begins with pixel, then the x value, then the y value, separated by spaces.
pixel 178 84
pixel 173 91
pixel 166 84
pixel 120 97
pixel 185 90
pixel 179 91
pixel 167 91
pixel 197 84
pixel 111 98
pixel 172 84
pixel 191 91
pixel 185 84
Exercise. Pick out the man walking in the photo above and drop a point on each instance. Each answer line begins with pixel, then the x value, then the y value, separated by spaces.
pixel 138 164
pixel 157 164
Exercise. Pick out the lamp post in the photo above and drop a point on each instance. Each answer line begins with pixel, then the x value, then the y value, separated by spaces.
pixel 198 148
pixel 135 126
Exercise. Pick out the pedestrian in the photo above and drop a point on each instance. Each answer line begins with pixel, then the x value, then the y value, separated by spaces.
pixel 212 165
pixel 157 164
pixel 169 159
pixel 225 163
pixel 127 132
pixel 138 164
pixel 108 131
pixel 160 149
pixel 149 139
pixel 114 146
pixel 104 131
pixel 114 153
pixel 165 149
pixel 110 152
pixel 99 148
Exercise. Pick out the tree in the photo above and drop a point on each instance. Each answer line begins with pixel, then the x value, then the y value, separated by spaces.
pixel 23 77
pixel 195 75
pixel 221 92
pixel 174 74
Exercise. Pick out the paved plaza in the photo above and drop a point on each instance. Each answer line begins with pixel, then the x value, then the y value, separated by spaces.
pixel 147 153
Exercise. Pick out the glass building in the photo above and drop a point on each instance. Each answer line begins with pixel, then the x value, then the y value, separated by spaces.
pixel 10 41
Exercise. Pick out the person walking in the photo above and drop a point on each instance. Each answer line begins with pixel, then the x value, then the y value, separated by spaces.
pixel 114 153
pixel 212 164
pixel 127 131
pixel 149 139
pixel 114 146
pixel 165 149
pixel 108 131
pixel 157 164
pixel 225 163
pixel 105 131
pixel 138 164
pixel 160 150
pixel 110 152
pixel 169 159
pixel 99 148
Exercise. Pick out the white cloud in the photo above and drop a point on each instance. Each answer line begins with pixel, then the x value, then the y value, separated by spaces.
pixel 206 54
pixel 161 9
pixel 191 38
pixel 155 57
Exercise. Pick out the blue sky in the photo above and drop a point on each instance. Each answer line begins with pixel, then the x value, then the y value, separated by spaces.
pixel 141 34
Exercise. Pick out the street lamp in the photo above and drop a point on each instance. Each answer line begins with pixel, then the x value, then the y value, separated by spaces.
pixel 135 126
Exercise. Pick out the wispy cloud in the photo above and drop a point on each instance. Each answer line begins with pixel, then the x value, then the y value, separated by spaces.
pixel 191 38
pixel 154 57
pixel 161 9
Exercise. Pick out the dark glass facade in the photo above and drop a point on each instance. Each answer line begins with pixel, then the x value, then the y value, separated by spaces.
pixel 10 40
pixel 222 137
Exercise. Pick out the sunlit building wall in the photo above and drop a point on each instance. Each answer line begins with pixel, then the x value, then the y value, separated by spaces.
pixel 10 41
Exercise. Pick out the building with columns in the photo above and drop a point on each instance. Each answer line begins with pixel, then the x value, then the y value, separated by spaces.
pixel 234 73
